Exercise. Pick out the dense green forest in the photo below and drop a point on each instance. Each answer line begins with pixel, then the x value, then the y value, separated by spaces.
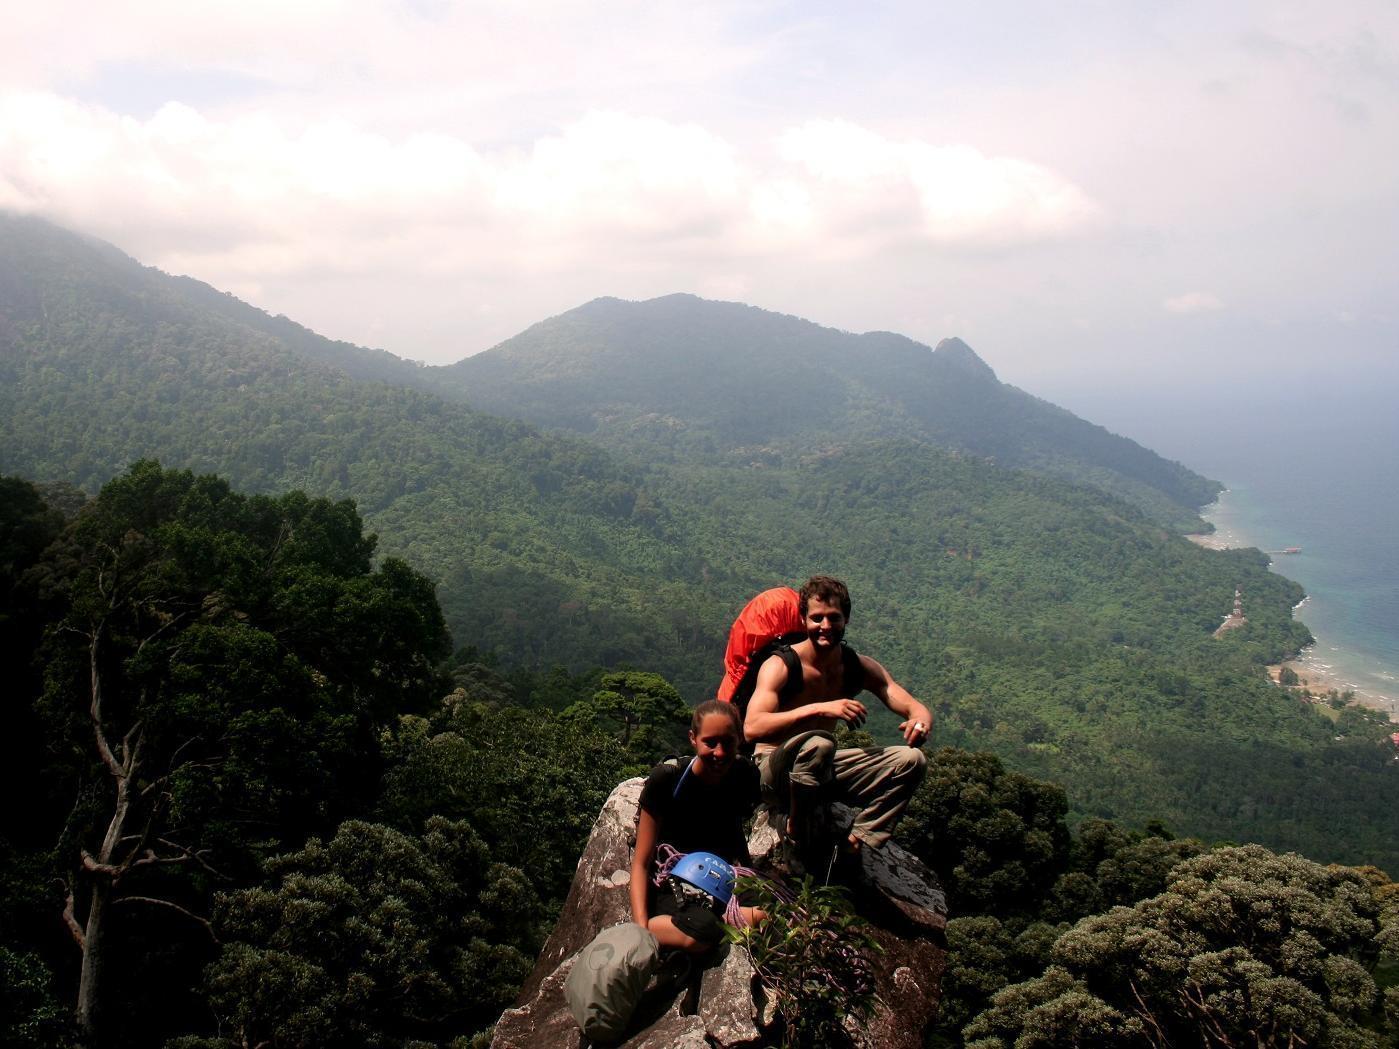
pixel 265 804
pixel 680 377
pixel 1057 625
pixel 1110 936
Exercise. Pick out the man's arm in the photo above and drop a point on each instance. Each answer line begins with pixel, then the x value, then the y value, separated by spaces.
pixel 918 719
pixel 765 721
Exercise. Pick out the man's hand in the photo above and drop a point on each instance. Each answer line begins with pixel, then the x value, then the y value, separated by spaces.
pixel 917 727
pixel 851 711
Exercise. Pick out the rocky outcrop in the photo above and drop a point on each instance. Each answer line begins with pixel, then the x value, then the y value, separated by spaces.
pixel 724 1006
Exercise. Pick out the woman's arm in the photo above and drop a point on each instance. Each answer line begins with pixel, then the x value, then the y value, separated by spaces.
pixel 647 833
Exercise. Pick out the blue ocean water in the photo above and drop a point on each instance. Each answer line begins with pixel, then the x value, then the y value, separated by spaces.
pixel 1314 469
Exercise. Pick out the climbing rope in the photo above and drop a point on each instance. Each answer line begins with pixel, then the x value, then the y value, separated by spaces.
pixel 666 859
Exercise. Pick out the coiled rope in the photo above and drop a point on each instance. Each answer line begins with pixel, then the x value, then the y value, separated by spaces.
pixel 666 859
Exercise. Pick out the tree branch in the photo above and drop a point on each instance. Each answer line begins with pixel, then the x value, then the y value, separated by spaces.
pixel 144 837
pixel 1146 1014
pixel 175 757
pixel 193 856
pixel 95 708
pixel 283 534
pixel 151 858
pixel 173 621
pixel 131 755
pixel 91 863
pixel 71 920
pixel 156 902
pixel 1205 1016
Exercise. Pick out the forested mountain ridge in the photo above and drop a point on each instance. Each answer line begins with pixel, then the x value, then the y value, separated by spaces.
pixel 39 255
pixel 1053 623
pixel 684 376
pixel 693 378
pixel 102 365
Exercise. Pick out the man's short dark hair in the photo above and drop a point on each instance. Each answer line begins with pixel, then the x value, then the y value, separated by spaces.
pixel 824 588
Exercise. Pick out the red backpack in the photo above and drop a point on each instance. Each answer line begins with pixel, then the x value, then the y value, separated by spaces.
pixel 769 621
pixel 769 625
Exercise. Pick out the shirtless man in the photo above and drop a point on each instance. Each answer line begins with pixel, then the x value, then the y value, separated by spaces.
pixel 791 722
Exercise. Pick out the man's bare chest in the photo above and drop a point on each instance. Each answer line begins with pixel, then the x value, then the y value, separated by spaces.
pixel 818 684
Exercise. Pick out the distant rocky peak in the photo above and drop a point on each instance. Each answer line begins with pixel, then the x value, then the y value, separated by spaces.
pixel 957 353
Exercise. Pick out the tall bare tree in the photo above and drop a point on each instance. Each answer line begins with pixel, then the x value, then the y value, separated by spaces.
pixel 218 672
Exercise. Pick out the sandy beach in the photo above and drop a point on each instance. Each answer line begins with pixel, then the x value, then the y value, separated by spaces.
pixel 1316 677
pixel 1212 540
pixel 1311 670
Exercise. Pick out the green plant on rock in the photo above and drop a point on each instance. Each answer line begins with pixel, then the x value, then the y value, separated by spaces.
pixel 813 957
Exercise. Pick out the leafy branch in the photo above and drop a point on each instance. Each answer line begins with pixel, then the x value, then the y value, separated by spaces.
pixel 813 956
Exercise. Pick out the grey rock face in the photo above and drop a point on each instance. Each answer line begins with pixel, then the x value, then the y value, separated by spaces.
pixel 724 1005
pixel 726 1002
pixel 672 1031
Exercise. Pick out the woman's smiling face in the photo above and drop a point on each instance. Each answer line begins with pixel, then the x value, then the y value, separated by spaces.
pixel 715 743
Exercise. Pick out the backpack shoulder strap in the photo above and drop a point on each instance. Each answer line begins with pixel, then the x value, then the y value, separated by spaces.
pixel 854 671
pixel 744 692
pixel 677 762
pixel 795 682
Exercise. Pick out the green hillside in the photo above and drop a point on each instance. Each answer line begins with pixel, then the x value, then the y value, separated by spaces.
pixel 103 362
pixel 688 378
pixel 1060 626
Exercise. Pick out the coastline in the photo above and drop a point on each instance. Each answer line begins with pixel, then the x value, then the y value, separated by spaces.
pixel 1314 674
pixel 1320 679
pixel 1211 541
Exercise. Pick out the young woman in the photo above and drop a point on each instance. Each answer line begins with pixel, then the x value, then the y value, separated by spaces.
pixel 699 806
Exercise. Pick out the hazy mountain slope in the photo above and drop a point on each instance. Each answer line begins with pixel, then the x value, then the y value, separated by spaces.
pixel 691 377
pixel 1054 624
pixel 698 377
pixel 357 362
pixel 103 361
pixel 41 255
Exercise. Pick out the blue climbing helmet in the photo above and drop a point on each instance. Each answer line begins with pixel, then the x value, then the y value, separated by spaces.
pixel 706 871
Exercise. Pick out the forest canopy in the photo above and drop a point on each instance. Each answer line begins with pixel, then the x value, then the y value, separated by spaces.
pixel 267 804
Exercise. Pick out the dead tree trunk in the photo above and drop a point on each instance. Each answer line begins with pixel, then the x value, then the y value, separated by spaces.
pixel 94 949
pixel 104 870
pixel 132 842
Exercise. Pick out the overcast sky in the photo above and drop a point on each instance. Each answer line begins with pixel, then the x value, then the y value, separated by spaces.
pixel 1100 195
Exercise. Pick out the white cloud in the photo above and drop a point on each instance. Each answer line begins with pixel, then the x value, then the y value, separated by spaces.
pixel 621 175
pixel 249 197
pixel 1193 302
pixel 944 193
pixel 393 61
pixel 446 172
